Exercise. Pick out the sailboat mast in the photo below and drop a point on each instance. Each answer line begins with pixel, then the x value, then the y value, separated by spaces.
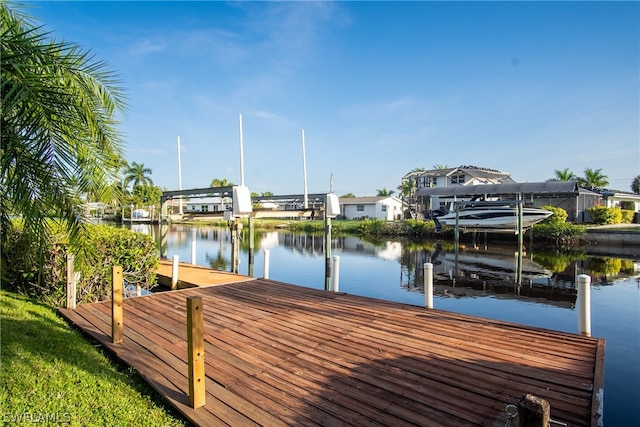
pixel 241 154
pixel 179 176
pixel 304 172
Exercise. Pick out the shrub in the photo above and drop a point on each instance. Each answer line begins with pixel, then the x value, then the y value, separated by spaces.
pixel 106 246
pixel 559 214
pixel 418 227
pixel 603 215
pixel 372 226
pixel 99 248
pixel 561 234
pixel 627 216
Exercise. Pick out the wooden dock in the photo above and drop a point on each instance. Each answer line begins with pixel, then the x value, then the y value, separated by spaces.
pixel 278 354
pixel 191 276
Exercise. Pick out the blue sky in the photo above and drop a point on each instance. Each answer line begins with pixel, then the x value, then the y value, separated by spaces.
pixel 379 88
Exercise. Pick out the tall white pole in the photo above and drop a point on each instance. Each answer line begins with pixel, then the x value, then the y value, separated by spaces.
pixel 241 154
pixel 304 171
pixel 179 176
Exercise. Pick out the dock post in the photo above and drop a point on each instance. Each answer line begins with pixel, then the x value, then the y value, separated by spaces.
pixel 195 342
pixel 520 222
pixel 251 246
pixel 266 264
pixel 193 247
pixel 174 272
pixel 584 304
pixel 117 321
pixel 533 412
pixel 456 229
pixel 71 283
pixel 428 285
pixel 336 273
pixel 327 251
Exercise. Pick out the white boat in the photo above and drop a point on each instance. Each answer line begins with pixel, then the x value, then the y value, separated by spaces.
pixel 140 214
pixel 492 217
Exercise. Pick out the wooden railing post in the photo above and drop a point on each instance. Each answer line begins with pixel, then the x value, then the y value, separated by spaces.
pixel 195 343
pixel 71 283
pixel 117 321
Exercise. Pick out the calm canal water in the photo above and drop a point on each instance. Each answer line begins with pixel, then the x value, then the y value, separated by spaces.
pixel 487 280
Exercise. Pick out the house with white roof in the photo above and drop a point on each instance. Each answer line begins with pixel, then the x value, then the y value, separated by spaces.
pixel 387 208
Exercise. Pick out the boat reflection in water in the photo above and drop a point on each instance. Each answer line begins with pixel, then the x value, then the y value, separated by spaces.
pixel 476 272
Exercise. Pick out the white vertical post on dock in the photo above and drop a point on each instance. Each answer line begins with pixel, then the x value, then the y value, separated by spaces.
pixel 266 264
pixel 584 304
pixel 174 272
pixel 428 285
pixel 71 283
pixel 336 274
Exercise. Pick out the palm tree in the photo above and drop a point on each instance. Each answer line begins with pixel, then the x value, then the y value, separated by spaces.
pixel 384 192
pixel 440 167
pixel 407 190
pixel 563 175
pixel 594 178
pixel 635 185
pixel 138 174
pixel 221 183
pixel 58 130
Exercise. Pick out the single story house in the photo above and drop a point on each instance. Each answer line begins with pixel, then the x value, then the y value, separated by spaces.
pixel 209 204
pixel 387 208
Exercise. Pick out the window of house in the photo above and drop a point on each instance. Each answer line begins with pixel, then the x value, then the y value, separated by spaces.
pixel 360 208
pixel 384 208
pixel 205 208
pixel 457 179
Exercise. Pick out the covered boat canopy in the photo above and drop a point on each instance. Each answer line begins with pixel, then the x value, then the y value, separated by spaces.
pixel 546 188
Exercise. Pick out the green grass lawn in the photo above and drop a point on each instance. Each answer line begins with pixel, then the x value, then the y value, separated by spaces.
pixel 51 374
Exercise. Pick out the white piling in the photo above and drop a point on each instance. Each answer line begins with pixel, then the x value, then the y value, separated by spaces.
pixel 428 285
pixel 193 252
pixel 584 304
pixel 266 264
pixel 174 272
pixel 336 274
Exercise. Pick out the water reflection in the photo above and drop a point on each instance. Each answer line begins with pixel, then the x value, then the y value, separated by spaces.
pixel 459 272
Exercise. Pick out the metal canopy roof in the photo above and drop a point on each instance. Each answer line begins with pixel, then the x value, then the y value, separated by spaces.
pixel 552 187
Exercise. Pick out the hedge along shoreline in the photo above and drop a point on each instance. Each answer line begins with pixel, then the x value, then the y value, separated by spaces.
pixel 97 250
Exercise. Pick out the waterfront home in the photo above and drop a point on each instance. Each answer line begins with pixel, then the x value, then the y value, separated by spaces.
pixel 387 208
pixel 209 204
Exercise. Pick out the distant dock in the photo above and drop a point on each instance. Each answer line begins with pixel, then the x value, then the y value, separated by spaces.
pixel 283 355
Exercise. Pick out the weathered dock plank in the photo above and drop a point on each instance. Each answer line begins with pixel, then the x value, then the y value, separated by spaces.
pixel 279 354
